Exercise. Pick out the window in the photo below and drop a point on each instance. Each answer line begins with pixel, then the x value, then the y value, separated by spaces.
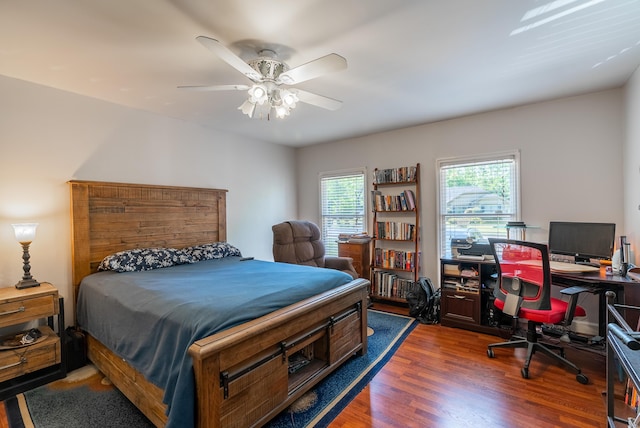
pixel 477 197
pixel 342 204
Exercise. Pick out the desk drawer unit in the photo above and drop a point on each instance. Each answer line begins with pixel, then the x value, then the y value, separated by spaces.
pixel 459 306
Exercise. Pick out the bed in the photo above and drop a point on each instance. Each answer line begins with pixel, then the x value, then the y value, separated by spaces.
pixel 242 374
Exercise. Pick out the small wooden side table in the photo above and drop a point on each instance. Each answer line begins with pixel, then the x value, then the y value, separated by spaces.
pixel 25 367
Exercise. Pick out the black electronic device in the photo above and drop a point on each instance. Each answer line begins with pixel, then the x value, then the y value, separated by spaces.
pixel 469 247
pixel 582 241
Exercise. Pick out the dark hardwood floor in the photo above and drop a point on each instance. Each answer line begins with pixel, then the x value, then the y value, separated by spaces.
pixel 441 377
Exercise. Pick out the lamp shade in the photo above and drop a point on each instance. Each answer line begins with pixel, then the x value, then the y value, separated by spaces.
pixel 25 232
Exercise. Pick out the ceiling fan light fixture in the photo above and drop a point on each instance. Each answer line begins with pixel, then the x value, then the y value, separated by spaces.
pixel 258 94
pixel 248 108
pixel 288 98
pixel 282 111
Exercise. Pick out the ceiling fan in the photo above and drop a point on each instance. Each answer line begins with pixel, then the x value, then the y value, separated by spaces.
pixel 272 80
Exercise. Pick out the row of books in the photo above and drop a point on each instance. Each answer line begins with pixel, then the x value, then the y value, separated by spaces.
pixel 395 175
pixel 395 230
pixel 405 201
pixel 631 395
pixel 395 259
pixel 390 285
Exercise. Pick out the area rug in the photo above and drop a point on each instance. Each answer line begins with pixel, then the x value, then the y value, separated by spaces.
pixel 86 399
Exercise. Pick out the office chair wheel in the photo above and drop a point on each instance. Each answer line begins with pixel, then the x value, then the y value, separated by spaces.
pixel 582 379
pixel 490 353
pixel 525 373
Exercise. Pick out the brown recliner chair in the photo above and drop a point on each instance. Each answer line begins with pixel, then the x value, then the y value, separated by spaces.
pixel 298 242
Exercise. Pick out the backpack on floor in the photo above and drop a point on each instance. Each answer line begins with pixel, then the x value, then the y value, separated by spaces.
pixel 424 302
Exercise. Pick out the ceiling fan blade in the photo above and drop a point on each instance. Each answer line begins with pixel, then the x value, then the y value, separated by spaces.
pixel 312 69
pixel 229 57
pixel 318 100
pixel 216 88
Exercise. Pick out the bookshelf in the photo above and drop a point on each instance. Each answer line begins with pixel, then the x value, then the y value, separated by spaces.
pixel 395 258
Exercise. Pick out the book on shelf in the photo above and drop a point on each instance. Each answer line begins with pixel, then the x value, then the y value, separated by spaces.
pixel 394 259
pixel 395 230
pixel 395 175
pixel 404 201
pixel 388 284
pixel 411 199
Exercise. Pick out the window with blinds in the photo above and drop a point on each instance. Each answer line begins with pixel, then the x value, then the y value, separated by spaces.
pixel 477 197
pixel 342 206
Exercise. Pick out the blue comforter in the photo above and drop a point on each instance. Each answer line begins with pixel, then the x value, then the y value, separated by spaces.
pixel 151 318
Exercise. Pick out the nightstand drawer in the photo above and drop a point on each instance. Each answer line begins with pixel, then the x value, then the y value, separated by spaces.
pixel 20 361
pixel 26 309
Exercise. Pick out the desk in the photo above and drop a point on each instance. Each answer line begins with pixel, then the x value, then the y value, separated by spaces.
pixel 470 309
pixel 627 292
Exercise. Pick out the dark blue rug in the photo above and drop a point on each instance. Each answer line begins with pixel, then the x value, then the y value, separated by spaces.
pixel 84 399
pixel 319 406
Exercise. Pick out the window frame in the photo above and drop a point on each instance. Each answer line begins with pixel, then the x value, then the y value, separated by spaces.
pixel 360 171
pixel 443 248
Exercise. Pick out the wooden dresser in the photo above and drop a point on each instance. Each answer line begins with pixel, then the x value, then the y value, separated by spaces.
pixel 361 255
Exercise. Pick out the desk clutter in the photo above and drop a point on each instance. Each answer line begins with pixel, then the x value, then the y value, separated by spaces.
pixel 354 238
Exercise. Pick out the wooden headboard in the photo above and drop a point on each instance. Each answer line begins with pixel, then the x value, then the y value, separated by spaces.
pixel 111 217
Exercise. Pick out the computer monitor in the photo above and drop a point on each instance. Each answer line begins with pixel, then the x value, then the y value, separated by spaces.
pixel 583 241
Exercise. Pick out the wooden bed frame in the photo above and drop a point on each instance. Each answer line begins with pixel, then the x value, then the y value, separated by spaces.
pixel 241 374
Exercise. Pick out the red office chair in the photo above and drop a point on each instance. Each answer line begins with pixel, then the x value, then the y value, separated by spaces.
pixel 524 291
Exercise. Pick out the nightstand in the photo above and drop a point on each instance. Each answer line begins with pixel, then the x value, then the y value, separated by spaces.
pixel 24 368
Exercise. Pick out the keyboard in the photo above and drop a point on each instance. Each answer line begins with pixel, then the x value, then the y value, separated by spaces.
pixel 574 290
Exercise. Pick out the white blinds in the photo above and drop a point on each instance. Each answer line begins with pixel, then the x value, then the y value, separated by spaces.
pixel 477 197
pixel 342 206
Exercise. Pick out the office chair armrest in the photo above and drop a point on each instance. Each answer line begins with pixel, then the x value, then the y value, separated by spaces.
pixel 572 292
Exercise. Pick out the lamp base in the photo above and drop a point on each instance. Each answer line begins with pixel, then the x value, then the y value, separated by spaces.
pixel 27 283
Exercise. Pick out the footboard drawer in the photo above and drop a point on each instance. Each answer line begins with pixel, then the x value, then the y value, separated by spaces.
pixel 345 336
pixel 20 361
pixel 255 393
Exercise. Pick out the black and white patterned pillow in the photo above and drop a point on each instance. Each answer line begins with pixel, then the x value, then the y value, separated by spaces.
pixel 214 250
pixel 141 259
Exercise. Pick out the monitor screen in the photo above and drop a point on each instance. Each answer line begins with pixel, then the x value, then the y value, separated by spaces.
pixel 584 241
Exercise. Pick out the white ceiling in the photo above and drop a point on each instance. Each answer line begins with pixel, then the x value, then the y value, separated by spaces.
pixel 409 61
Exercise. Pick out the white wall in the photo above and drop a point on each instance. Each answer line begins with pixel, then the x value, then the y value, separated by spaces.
pixel 571 156
pixel 48 137
pixel 631 164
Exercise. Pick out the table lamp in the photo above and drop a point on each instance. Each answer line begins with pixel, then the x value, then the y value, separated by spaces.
pixel 25 234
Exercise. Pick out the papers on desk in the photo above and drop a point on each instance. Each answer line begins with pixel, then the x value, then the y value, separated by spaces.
pixel 634 274
pixel 561 267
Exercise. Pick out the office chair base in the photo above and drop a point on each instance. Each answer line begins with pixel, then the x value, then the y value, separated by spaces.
pixel 534 346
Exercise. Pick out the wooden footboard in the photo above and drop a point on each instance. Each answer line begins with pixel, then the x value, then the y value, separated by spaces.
pixel 242 374
pixel 144 395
